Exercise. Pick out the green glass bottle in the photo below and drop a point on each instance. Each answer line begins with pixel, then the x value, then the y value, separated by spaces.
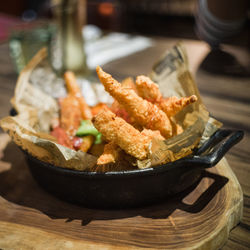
pixel 67 45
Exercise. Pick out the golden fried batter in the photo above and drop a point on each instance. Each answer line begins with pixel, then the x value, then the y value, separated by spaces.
pixel 95 110
pixel 144 112
pixel 152 134
pixel 110 154
pixel 118 109
pixel 172 105
pixel 74 90
pixel 70 114
pixel 129 83
pixel 121 133
pixel 147 89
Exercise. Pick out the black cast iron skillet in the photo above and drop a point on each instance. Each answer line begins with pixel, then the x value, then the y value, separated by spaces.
pixel 135 187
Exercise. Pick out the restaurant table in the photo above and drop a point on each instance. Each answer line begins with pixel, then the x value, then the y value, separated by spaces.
pixel 226 97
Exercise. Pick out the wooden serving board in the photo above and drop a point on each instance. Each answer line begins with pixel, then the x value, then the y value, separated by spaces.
pixel 200 218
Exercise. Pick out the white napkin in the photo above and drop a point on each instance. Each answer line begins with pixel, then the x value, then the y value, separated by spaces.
pixel 100 50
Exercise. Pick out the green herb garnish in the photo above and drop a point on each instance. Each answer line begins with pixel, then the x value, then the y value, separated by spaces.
pixel 87 128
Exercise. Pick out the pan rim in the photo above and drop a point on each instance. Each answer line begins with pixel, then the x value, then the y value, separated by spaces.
pixel 125 173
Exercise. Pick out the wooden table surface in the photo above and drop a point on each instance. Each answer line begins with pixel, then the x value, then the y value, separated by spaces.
pixel 226 97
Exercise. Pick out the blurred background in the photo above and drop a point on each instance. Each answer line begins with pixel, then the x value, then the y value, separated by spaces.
pixel 64 25
pixel 175 18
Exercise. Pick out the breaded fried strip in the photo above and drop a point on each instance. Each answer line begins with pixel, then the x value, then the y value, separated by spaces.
pixel 95 110
pixel 152 134
pixel 74 90
pixel 117 108
pixel 129 83
pixel 144 112
pixel 172 105
pixel 70 114
pixel 110 154
pixel 121 133
pixel 147 89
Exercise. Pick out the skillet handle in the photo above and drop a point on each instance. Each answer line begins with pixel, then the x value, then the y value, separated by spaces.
pixel 212 151
pixel 203 199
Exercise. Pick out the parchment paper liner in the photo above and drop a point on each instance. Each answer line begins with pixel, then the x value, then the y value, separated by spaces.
pixel 35 102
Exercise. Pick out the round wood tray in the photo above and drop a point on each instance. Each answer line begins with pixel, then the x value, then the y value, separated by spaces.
pixel 199 218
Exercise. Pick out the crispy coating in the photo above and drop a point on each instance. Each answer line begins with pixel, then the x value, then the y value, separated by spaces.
pixel 152 134
pixel 144 112
pixel 129 83
pixel 147 89
pixel 121 133
pixel 73 89
pixel 95 110
pixel 72 86
pixel 118 109
pixel 172 105
pixel 110 154
pixel 70 114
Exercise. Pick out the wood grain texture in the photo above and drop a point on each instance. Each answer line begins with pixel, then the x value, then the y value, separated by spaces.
pixel 25 208
pixel 25 237
pixel 200 218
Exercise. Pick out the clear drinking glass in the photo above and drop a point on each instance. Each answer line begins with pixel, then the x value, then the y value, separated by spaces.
pixel 25 44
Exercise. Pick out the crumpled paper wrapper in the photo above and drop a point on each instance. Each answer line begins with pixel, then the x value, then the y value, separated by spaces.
pixel 172 74
pixel 35 102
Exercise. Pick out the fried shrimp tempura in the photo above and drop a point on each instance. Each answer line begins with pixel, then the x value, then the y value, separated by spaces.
pixel 70 114
pixel 145 113
pixel 121 133
pixel 110 154
pixel 95 110
pixel 129 83
pixel 117 108
pixel 147 89
pixel 172 105
pixel 120 111
pixel 152 134
pixel 74 90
